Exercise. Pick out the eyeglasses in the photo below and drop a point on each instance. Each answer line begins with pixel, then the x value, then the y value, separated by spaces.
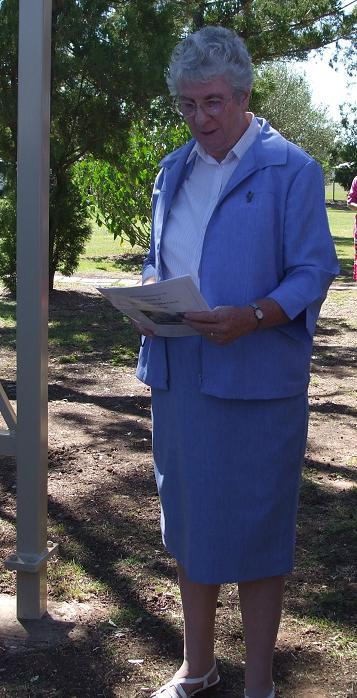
pixel 211 107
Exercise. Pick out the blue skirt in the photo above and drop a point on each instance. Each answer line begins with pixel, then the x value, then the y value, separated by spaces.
pixel 228 475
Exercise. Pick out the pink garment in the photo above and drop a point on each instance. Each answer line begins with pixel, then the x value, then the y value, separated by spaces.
pixel 352 199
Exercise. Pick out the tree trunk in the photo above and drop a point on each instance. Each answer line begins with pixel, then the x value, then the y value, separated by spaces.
pixel 198 17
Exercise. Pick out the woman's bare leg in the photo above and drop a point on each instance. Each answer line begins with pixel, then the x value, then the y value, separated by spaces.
pixel 261 605
pixel 199 603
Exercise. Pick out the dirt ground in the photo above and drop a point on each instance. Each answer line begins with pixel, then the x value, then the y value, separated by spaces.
pixel 111 569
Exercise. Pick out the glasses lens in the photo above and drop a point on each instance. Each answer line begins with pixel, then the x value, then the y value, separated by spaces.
pixel 185 109
pixel 177 107
pixel 212 107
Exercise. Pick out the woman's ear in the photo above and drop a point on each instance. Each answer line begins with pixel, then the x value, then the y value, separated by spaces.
pixel 244 98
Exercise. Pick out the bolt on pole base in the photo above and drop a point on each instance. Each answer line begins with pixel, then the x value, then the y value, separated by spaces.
pixel 28 562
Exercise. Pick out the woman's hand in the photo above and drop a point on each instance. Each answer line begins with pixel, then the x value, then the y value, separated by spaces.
pixel 141 329
pixel 223 324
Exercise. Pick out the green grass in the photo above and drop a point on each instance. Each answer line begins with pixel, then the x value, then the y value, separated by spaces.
pixel 85 337
pixel 101 254
pixel 95 266
pixel 89 331
pixel 340 193
pixel 341 224
pixel 8 313
pixel 104 254
pixel 108 556
pixel 69 580
pixel 102 243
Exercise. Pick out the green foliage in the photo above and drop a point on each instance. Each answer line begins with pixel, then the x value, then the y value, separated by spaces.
pixel 119 195
pixel 344 157
pixel 346 149
pixel 8 241
pixel 283 97
pixel 108 63
pixel 8 84
pixel 69 228
pixel 273 29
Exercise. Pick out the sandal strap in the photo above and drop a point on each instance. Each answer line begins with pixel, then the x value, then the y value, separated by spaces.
pixel 174 688
pixel 201 679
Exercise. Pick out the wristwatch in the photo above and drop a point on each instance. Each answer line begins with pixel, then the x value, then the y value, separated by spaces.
pixel 259 315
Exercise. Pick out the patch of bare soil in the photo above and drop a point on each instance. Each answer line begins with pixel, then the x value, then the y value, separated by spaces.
pixel 111 571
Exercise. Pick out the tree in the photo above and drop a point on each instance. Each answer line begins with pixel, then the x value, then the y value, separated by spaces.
pixel 108 60
pixel 284 98
pixel 107 64
pixel 120 193
pixel 119 196
pixel 345 155
pixel 273 29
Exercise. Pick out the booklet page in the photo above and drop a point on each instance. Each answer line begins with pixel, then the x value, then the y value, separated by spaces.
pixel 159 307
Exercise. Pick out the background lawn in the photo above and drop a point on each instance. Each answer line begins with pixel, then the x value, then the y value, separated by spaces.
pixel 103 254
pixel 111 573
pixel 340 193
pixel 341 224
pixel 104 511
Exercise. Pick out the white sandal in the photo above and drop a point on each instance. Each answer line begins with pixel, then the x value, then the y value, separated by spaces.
pixel 174 688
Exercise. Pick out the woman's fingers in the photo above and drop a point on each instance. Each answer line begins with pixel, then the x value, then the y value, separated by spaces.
pixel 221 325
pixel 141 329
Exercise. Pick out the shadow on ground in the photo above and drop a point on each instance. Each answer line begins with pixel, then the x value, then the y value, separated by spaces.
pixel 103 510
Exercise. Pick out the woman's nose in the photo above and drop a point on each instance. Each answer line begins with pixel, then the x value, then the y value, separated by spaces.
pixel 200 115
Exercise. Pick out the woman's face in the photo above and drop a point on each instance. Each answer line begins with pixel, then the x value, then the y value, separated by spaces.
pixel 219 118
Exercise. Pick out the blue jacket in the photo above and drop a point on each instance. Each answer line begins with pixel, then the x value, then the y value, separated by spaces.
pixel 268 236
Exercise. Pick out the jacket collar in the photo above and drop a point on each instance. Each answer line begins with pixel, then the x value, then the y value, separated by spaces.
pixel 269 148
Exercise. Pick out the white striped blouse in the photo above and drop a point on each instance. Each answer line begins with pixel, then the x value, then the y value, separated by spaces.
pixel 194 203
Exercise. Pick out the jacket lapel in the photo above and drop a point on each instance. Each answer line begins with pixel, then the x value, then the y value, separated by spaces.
pixel 243 170
pixel 175 172
pixel 268 149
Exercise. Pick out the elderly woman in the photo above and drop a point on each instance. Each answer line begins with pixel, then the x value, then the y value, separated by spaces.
pixel 242 211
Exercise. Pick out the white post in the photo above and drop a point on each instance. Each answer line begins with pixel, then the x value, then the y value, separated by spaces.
pixel 32 307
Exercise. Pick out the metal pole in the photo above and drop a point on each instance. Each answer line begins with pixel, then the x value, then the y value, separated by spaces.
pixel 30 560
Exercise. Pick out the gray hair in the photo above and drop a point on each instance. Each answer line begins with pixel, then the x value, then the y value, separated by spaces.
pixel 209 53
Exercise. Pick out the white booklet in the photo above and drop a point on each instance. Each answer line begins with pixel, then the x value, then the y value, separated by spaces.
pixel 159 307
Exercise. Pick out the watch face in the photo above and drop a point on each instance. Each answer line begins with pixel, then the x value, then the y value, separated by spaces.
pixel 259 313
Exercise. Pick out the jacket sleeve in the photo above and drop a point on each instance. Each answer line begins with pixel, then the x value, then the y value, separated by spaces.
pixel 310 261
